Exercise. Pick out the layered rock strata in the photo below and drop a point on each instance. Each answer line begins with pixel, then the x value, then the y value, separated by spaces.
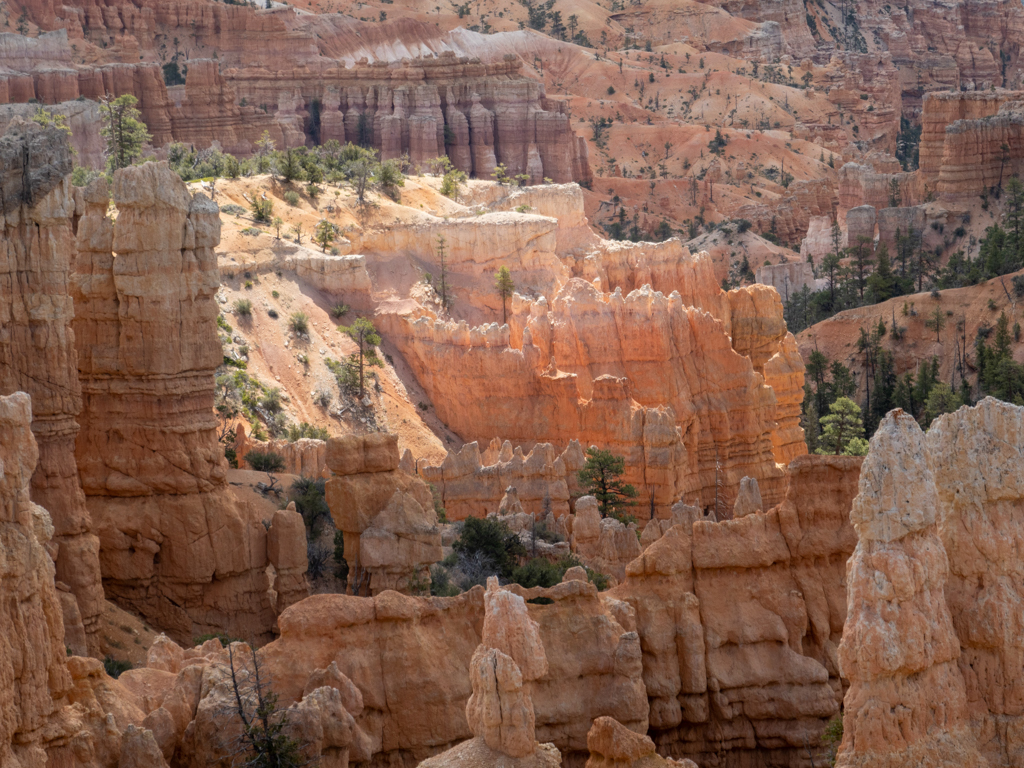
pixel 410 657
pixel 592 366
pixel 975 456
pixel 386 515
pixel 907 702
pixel 55 708
pixel 473 485
pixel 37 345
pixel 739 622
pixel 969 141
pixel 479 114
pixel 306 457
pixel 175 545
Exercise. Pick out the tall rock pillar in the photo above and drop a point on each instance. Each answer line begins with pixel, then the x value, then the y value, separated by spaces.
pixel 175 544
pixel 37 347
pixel 907 703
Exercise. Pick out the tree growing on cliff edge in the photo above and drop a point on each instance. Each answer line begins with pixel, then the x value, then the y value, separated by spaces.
pixel 325 234
pixel 264 741
pixel 442 258
pixel 843 430
pixel 123 130
pixel 366 337
pixel 601 477
pixel 505 286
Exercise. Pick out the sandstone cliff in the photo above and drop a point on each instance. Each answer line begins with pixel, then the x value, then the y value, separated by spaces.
pixel 907 702
pixel 479 114
pixel 385 514
pixel 471 485
pixel 643 374
pixel 975 456
pixel 739 621
pixel 175 545
pixel 37 347
pixel 55 708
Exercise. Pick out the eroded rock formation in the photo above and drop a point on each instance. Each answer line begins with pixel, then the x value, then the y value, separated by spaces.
pixel 385 514
pixel 479 114
pixel 907 703
pixel 739 621
pixel 306 456
pixel 55 709
pixel 176 546
pixel 37 346
pixel 591 367
pixel 473 485
pixel 612 745
pixel 975 456
pixel 500 710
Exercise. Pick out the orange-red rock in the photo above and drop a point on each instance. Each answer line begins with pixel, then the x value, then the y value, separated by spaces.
pixel 739 621
pixel 175 545
pixel 37 347
pixel 907 703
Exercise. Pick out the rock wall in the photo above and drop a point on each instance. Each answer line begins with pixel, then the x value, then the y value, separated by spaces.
pixel 962 135
pixel 55 708
pixel 862 184
pixel 848 76
pixel 975 456
pixel 410 659
pixel 479 114
pixel 791 215
pixel 32 658
pixel 787 278
pixel 644 375
pixel 175 545
pixel 938 47
pixel 473 486
pixel 907 703
pixel 784 373
pixel 385 514
pixel 37 345
pixel 739 623
pixel 306 457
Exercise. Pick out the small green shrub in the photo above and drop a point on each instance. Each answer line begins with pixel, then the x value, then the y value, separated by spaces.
pixel 299 322
pixel 225 639
pixel 292 198
pixel 243 308
pixel 265 461
pixel 114 667
pixel 339 310
pixel 494 540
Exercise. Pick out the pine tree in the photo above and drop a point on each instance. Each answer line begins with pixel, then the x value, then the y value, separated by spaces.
pixel 601 478
pixel 366 337
pixel 505 286
pixel 123 130
pixel 842 430
pixel 936 321
pixel 861 254
pixel 881 283
pixel 325 234
pixel 442 258
pixel 942 399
